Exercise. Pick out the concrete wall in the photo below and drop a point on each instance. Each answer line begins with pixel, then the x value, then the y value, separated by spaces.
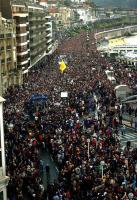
pixel 115 32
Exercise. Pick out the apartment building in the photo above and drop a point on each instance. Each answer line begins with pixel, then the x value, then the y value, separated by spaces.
pixel 49 35
pixel 37 32
pixel 34 33
pixel 63 16
pixel 20 16
pixel 9 74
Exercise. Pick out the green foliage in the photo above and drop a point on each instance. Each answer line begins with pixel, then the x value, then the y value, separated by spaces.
pixel 67 3
pixel 109 23
pixel 128 34
pixel 104 24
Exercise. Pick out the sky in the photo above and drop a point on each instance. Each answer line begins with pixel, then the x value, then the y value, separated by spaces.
pixel 117 3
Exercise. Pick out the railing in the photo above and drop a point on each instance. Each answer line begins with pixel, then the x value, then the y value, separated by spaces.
pixel 1 36
pixel 8 47
pixel 1 171
pixel 125 46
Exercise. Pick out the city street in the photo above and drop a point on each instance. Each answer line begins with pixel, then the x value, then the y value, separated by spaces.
pixel 85 147
pixel 53 177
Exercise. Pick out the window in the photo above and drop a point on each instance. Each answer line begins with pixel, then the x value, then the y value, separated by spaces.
pixel 22 48
pixel 22 58
pixel 21 39
pixel 8 35
pixel 1 196
pixel 8 47
pixel 2 61
pixel 8 59
pixel 1 35
pixel 21 30
pixel 21 20
pixel 2 48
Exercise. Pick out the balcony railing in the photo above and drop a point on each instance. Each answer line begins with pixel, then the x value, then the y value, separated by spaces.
pixel 9 60
pixel 8 47
pixel 2 49
pixel 3 61
pixel 9 35
pixel 1 36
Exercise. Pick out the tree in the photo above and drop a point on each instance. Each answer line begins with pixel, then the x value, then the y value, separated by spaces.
pixel 67 3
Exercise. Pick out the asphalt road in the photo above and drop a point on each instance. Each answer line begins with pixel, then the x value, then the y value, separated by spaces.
pixel 53 173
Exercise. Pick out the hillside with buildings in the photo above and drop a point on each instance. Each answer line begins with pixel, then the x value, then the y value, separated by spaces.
pixel 117 3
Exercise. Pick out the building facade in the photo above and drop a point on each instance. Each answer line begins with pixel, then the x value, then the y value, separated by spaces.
pixel 65 15
pixel 8 68
pixel 34 33
pixel 62 15
pixel 20 16
pixel 25 40
pixel 40 33
pixel 3 178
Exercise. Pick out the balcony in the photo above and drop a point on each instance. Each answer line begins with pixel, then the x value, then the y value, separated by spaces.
pixel 48 17
pixel 33 28
pixel 8 47
pixel 4 181
pixel 9 60
pixel 23 63
pixel 3 61
pixel 48 30
pixel 50 46
pixel 49 35
pixel 8 35
pixel 48 23
pixel 2 49
pixel 12 71
pixel 1 36
pixel 31 19
pixel 49 41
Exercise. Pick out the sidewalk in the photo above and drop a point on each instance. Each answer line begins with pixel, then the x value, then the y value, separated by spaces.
pixel 128 124
pixel 127 120
pixel 127 117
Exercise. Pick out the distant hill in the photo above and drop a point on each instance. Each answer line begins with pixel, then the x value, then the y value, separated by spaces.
pixel 116 3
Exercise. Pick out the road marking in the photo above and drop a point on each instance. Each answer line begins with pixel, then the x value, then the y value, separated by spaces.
pixel 135 140
pixel 129 136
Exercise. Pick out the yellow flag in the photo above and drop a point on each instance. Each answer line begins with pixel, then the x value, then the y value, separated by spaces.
pixel 62 66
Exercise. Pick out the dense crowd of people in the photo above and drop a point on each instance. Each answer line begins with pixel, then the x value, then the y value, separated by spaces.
pixel 81 131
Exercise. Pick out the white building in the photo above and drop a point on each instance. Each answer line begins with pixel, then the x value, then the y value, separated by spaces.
pixel 49 36
pixel 85 15
pixel 78 1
